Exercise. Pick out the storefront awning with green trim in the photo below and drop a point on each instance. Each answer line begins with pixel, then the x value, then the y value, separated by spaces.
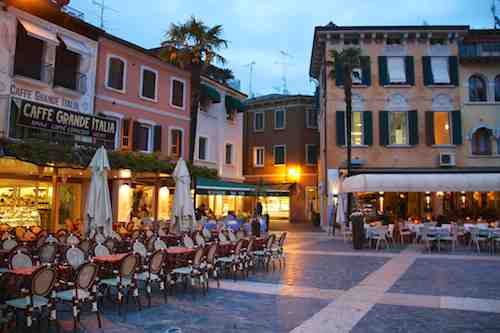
pixel 219 187
pixel 210 93
pixel 234 104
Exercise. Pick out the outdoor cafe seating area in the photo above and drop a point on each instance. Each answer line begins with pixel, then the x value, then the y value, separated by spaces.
pixel 44 273
pixel 467 236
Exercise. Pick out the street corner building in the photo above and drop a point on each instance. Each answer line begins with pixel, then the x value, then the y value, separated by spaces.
pixel 281 141
pixel 425 121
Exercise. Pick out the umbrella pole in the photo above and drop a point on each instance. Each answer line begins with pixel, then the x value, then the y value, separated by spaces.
pixel 55 202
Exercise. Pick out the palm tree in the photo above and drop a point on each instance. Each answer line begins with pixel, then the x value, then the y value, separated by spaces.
pixel 347 60
pixel 194 46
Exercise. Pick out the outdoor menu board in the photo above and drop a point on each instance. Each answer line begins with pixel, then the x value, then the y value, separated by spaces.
pixel 43 117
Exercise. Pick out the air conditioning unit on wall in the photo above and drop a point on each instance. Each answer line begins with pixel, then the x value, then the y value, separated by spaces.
pixel 447 159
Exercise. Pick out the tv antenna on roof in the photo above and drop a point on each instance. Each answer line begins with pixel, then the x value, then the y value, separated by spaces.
pixel 102 8
pixel 284 63
pixel 250 78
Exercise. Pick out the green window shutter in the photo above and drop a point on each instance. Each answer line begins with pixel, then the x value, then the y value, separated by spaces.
pixel 367 128
pixel 427 67
pixel 157 138
pixel 340 119
pixel 456 122
pixel 410 70
pixel 339 74
pixel 135 136
pixel 413 127
pixel 366 71
pixel 429 127
pixel 384 127
pixel 383 75
pixel 453 64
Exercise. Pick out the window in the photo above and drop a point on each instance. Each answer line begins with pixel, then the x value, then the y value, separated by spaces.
pixel 357 76
pixel 176 143
pixel 396 69
pixel 229 154
pixel 202 148
pixel 142 137
pixel 66 73
pixel 279 155
pixel 481 141
pixel 258 121
pixel 28 59
pixel 398 128
pixel 311 154
pixel 279 119
pixel 148 84
pixel 442 128
pixel 258 156
pixel 177 93
pixel 357 129
pixel 497 89
pixel 312 119
pixel 116 74
pixel 477 89
pixel 440 70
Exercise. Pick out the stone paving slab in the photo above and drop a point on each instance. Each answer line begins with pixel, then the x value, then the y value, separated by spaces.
pixel 393 318
pixel 451 277
pixel 341 246
pixel 221 311
pixel 323 272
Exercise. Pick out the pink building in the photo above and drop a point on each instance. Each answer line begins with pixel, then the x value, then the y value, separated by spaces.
pixel 147 97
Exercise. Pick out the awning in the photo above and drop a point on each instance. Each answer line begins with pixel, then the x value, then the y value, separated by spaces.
pixel 432 182
pixel 210 93
pixel 219 187
pixel 74 45
pixel 39 32
pixel 234 104
pixel 275 190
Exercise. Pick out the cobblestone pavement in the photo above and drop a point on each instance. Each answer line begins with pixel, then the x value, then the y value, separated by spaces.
pixel 328 287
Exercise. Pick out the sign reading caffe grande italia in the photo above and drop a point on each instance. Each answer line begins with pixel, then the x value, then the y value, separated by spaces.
pixel 49 118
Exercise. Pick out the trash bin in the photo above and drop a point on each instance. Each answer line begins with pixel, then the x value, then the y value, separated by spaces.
pixel 358 230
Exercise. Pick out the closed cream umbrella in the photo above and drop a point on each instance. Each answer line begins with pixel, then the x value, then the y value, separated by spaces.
pixel 182 209
pixel 98 211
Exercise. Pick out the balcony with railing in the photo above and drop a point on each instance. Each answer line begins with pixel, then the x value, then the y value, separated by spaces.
pixel 70 80
pixel 38 72
pixel 480 53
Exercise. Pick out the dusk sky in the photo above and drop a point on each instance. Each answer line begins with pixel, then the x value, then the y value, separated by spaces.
pixel 259 29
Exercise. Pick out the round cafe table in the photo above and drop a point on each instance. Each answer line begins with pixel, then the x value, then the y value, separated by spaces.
pixel 178 255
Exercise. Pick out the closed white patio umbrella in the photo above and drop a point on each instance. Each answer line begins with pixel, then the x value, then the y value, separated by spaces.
pixel 98 212
pixel 183 210
pixel 341 209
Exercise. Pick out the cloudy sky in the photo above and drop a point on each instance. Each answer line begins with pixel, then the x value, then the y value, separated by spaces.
pixel 259 29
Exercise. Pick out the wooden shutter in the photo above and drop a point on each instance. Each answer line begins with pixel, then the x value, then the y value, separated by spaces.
pixel 366 71
pixel 384 128
pixel 456 122
pixel 429 128
pixel 135 135
pixel 410 70
pixel 427 69
pixel 157 138
pixel 383 75
pixel 367 128
pixel 126 142
pixel 413 127
pixel 453 67
pixel 339 74
pixel 340 123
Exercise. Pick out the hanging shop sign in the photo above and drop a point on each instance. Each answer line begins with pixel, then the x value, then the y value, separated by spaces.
pixel 49 118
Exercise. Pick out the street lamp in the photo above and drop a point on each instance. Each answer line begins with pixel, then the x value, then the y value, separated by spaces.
pixel 293 174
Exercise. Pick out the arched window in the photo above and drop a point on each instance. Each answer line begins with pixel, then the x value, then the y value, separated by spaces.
pixel 497 89
pixel 477 89
pixel 116 72
pixel 481 141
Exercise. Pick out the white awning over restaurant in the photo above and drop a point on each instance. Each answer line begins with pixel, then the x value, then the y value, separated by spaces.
pixel 432 182
pixel 38 32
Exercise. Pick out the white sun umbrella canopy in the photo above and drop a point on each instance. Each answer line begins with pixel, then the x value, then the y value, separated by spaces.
pixel 183 210
pixel 98 211
pixel 341 209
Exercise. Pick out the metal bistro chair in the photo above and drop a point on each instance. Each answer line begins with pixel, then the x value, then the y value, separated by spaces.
pixel 39 297
pixel 47 254
pixel 200 241
pixel 125 279
pixel 188 241
pixel 194 272
pixel 75 257
pixel 20 259
pixel 264 256
pixel 278 249
pixel 154 273
pixel 82 290
pixel 212 267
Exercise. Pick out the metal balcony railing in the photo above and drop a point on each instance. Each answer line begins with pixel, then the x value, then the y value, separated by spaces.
pixel 479 50
pixel 71 80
